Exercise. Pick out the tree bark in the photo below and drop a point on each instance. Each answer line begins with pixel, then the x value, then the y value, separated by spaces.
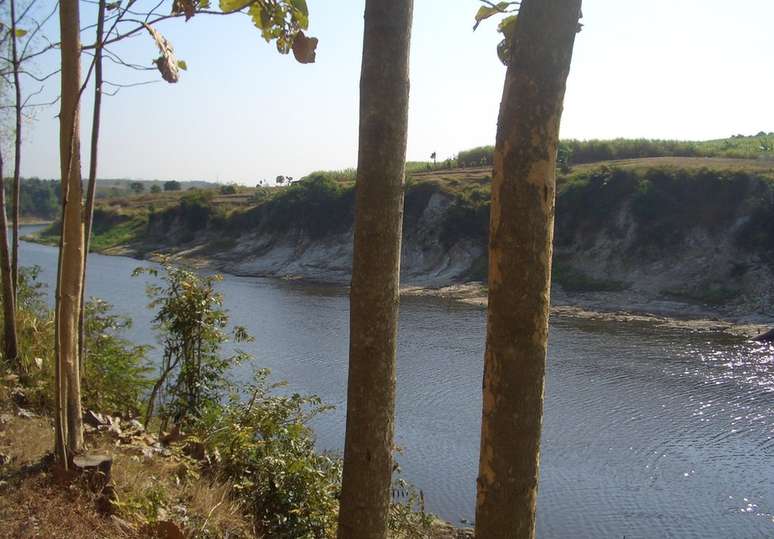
pixel 17 151
pixel 374 297
pixel 69 282
pixel 520 247
pixel 10 341
pixel 88 216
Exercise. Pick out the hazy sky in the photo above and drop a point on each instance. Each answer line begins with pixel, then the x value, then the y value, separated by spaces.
pixel 688 69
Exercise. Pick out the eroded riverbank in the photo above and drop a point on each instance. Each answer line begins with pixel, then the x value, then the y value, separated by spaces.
pixel 623 307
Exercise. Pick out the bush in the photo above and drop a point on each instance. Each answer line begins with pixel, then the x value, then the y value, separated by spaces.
pixel 468 217
pixel 317 205
pixel 483 155
pixel 266 450
pixel 115 376
pixel 191 322
pixel 114 370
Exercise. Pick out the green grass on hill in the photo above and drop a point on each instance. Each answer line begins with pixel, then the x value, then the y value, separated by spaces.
pixel 578 152
pixel 671 186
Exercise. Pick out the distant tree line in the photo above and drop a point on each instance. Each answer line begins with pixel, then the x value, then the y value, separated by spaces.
pixel 38 198
pixel 578 152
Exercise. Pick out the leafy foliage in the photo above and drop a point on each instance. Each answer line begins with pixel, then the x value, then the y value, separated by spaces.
pixel 317 205
pixel 115 371
pixel 191 322
pixel 665 202
pixel 506 26
pixel 266 448
pixel 468 217
pixel 38 198
pixel 578 152
pixel 407 518
pixel 172 185
pixel 281 21
pixel 483 155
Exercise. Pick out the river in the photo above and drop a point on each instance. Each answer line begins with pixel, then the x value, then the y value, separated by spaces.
pixel 647 432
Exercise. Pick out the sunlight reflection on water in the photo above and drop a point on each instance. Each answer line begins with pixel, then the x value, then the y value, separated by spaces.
pixel 647 432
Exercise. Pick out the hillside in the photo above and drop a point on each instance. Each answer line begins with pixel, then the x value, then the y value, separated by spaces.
pixel 666 233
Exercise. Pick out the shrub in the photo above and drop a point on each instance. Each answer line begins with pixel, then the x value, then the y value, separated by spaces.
pixel 468 216
pixel 483 155
pixel 191 322
pixel 266 449
pixel 317 205
pixel 115 371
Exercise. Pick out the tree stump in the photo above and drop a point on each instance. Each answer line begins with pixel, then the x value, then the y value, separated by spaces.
pixel 94 468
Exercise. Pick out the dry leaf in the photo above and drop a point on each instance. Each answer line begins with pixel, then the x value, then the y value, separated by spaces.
pixel 304 48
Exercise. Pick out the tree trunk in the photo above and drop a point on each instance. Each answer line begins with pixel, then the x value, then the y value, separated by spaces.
pixel 71 253
pixel 520 246
pixel 10 342
pixel 88 216
pixel 374 297
pixel 17 151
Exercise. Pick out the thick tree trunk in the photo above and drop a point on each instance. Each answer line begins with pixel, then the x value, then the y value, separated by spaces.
pixel 10 342
pixel 520 245
pixel 17 151
pixel 374 297
pixel 88 216
pixel 71 253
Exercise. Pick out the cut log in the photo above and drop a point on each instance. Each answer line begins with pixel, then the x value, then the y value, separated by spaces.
pixel 95 468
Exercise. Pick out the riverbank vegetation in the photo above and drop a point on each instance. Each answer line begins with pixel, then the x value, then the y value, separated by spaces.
pixel 664 198
pixel 217 458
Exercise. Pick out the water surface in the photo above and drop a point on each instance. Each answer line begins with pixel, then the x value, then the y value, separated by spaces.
pixel 647 432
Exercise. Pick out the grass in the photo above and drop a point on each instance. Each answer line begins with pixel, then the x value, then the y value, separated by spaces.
pixel 152 489
pixel 33 503
pixel 122 233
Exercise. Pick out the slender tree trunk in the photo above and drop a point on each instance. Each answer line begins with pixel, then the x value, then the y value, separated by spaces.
pixel 17 151
pixel 374 297
pixel 520 245
pixel 71 252
pixel 10 342
pixel 92 186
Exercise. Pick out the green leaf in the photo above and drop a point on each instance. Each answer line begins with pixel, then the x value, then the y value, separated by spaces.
pixel 507 25
pixel 233 5
pixel 182 65
pixel 301 13
pixel 484 12
pixel 301 6
pixel 20 32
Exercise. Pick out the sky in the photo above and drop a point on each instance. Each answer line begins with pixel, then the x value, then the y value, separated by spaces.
pixel 677 69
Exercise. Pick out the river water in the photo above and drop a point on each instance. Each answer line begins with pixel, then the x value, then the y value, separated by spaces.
pixel 647 432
